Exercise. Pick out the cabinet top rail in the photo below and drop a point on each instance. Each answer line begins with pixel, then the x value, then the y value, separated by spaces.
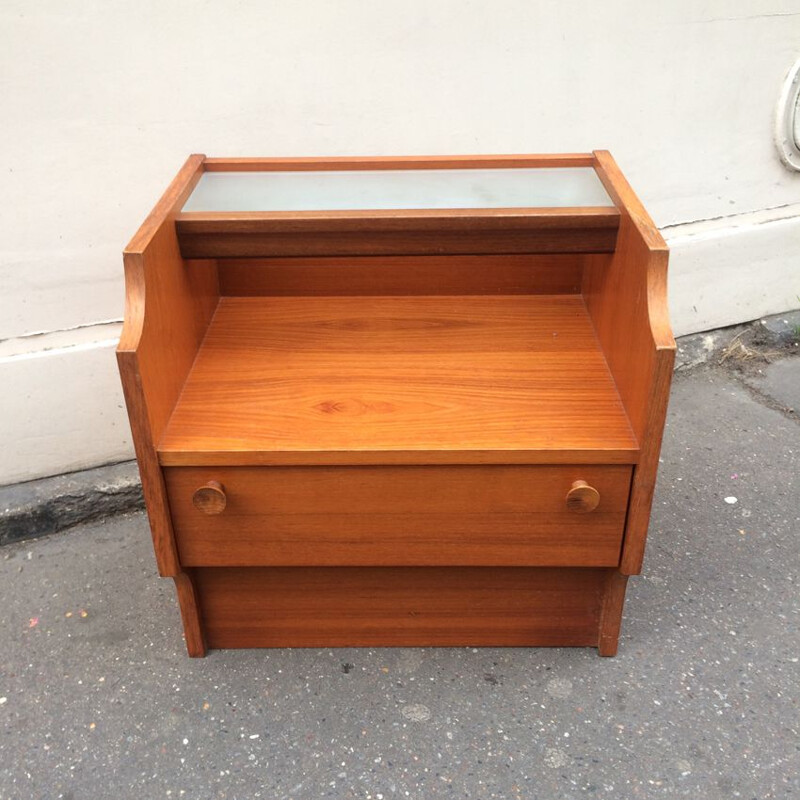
pixel 318 163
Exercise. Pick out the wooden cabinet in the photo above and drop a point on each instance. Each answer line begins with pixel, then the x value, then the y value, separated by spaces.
pixel 398 401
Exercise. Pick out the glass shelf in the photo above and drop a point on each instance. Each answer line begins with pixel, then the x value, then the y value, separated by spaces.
pixel 351 190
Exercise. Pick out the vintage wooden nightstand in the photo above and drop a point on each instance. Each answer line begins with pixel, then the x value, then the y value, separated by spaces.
pixel 398 401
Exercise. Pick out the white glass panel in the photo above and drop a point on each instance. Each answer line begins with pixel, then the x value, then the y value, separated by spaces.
pixel 398 189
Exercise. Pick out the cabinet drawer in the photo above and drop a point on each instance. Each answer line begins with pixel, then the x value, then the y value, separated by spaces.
pixel 397 515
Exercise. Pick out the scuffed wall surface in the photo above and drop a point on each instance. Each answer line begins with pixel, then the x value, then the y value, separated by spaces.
pixel 102 101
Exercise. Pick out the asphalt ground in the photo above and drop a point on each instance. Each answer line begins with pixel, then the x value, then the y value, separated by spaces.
pixel 99 700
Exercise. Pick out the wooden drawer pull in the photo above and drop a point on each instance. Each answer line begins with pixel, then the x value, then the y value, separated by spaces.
pixel 210 499
pixel 582 498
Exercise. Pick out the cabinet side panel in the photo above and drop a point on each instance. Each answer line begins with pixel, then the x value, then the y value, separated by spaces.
pixel 191 615
pixel 167 310
pixel 626 295
pixel 611 615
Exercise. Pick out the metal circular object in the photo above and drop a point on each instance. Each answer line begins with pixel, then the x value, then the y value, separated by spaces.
pixel 787 120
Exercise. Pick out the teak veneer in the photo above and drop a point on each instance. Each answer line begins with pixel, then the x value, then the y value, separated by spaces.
pixel 353 380
pixel 413 401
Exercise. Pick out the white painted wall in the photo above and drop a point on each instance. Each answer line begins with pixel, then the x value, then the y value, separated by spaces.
pixel 102 101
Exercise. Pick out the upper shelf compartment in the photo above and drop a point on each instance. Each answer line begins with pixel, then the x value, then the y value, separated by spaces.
pixel 316 207
pixel 400 190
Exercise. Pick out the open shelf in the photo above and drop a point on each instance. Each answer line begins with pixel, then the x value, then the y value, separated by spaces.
pixel 399 380
pixel 349 190
pixel 255 209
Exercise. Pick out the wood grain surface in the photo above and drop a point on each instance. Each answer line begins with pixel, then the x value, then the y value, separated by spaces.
pixel 611 613
pixel 399 516
pixel 386 606
pixel 626 295
pixel 399 380
pixel 401 275
pixel 256 234
pixel 167 310
pixel 398 162
pixel 193 630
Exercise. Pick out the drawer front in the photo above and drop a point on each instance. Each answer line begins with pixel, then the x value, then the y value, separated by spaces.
pixel 399 515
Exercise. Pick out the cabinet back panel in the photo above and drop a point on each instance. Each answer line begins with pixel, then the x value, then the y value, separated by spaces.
pixel 401 275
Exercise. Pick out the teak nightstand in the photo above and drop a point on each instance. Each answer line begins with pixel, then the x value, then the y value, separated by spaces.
pixel 398 401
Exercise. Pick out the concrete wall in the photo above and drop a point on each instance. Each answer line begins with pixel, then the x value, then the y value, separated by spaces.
pixel 102 101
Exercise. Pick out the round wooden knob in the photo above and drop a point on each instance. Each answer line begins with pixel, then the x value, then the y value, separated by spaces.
pixel 582 498
pixel 210 498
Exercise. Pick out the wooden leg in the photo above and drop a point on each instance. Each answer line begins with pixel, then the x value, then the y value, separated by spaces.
pixel 190 614
pixel 611 612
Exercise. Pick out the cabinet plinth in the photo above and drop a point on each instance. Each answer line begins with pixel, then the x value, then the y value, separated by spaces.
pixel 398 401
